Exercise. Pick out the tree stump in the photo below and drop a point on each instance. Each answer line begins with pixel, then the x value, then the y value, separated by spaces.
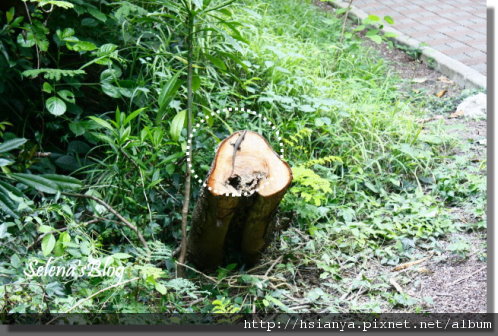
pixel 234 215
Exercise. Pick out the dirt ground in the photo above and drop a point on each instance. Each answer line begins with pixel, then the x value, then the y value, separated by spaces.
pixel 455 284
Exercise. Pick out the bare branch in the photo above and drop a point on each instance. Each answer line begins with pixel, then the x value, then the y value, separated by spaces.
pixel 111 209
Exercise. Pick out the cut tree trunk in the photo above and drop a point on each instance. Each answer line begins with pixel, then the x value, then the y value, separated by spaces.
pixel 234 216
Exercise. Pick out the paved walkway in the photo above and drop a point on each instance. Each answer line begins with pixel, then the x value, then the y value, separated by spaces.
pixel 456 28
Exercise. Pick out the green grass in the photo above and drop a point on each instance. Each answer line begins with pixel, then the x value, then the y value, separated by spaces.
pixel 343 101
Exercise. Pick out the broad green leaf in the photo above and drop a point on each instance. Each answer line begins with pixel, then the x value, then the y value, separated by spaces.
pixel 62 243
pixel 85 247
pixel 389 19
pixel 37 182
pixel 82 46
pixel 96 207
pixel 133 115
pixel 372 32
pixel 47 87
pixel 105 139
pixel 65 237
pixel 5 162
pixel 376 38
pixel 63 182
pixel 12 144
pixel 64 34
pixel 7 205
pixel 15 261
pixel 45 229
pixel 97 14
pixel 161 288
pixel 58 249
pixel 322 121
pixel 110 75
pixel 225 11
pixel 371 187
pixel 26 41
pixel 3 231
pixel 102 122
pixel 217 62
pixel 66 95
pixel 80 127
pixel 177 125
pixel 107 48
pixel 10 188
pixel 279 304
pixel 48 244
pixel 9 15
pixel 110 90
pixel 171 158
pixel 55 106
pixel 67 162
pixel 307 108
pixel 373 18
pixel 167 94
pixel 196 83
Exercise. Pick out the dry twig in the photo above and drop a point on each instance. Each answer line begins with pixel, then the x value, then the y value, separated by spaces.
pixel 279 259
pixel 396 285
pixel 345 295
pixel 468 276
pixel 411 263
pixel 198 272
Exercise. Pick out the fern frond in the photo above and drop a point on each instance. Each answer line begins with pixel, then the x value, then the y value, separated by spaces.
pixel 310 186
pixel 323 160
pixel 299 135
pixel 53 74
pixel 57 3
pixel 158 252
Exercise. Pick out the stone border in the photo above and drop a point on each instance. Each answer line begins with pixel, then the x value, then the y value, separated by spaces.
pixel 458 72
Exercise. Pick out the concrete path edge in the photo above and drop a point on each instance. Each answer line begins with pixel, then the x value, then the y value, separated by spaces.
pixel 458 72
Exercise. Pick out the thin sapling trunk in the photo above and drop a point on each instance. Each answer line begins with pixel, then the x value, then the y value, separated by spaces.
pixel 186 193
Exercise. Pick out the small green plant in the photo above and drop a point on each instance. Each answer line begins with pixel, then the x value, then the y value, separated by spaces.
pixel 413 52
pixel 310 186
pixel 375 32
pixel 459 247
pixel 431 63
pixel 402 300
pixel 224 306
